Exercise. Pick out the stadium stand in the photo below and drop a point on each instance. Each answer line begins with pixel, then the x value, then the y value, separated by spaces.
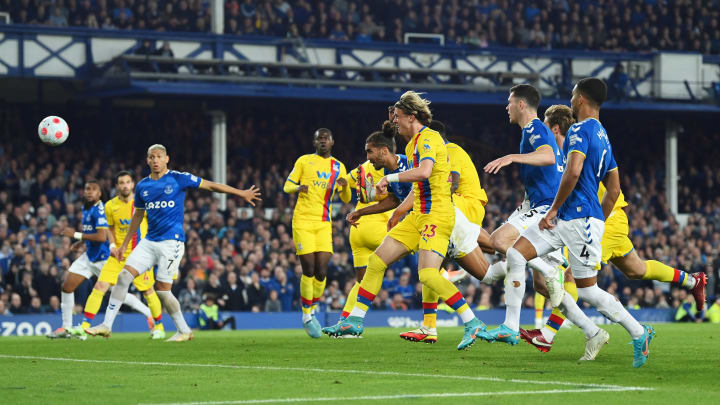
pixel 255 244
pixel 606 25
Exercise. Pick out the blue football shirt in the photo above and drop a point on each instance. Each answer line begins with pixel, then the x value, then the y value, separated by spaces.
pixel 590 139
pixel 94 220
pixel 164 203
pixel 541 182
pixel 400 190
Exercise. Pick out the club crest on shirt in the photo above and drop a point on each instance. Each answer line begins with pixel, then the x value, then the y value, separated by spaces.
pixel 168 189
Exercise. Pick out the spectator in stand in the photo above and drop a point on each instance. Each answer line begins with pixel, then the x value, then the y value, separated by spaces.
pixel 190 298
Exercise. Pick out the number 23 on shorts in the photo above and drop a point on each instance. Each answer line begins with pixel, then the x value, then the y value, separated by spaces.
pixel 428 231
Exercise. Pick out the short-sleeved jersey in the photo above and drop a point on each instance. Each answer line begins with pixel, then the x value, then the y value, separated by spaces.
pixel 469 183
pixel 119 214
pixel 94 221
pixel 372 175
pixel 620 201
pixel 541 182
pixel 317 173
pixel 431 195
pixel 590 139
pixel 164 203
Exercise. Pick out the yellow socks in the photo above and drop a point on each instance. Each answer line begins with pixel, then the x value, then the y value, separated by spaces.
pixel 155 308
pixel 431 278
pixel 370 285
pixel 318 289
pixel 557 318
pixel 351 300
pixel 539 307
pixel 429 303
pixel 654 270
pixel 306 296
pixel 92 306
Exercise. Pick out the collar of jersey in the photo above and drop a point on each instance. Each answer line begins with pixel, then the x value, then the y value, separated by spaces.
pixel 150 176
pixel 530 123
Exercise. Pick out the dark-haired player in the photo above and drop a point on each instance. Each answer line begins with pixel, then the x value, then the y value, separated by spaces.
pixel 372 212
pixel 315 178
pixel 540 170
pixel 576 220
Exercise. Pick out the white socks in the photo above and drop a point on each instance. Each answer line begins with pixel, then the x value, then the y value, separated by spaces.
pixel 67 302
pixel 117 297
pixel 570 309
pixel 172 306
pixel 306 317
pixel 496 271
pixel 358 312
pixel 133 302
pixel 546 269
pixel 514 288
pixel 613 310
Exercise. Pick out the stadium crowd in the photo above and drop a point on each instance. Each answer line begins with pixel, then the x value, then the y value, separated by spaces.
pixel 609 25
pixel 246 258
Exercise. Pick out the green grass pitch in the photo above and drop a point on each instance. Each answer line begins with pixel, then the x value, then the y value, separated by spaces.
pixel 286 366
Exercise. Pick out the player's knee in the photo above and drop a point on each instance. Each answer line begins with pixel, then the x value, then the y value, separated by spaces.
pixel 496 243
pixel 514 257
pixel 125 278
pixel 375 263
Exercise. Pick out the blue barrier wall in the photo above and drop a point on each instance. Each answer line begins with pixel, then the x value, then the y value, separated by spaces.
pixel 39 325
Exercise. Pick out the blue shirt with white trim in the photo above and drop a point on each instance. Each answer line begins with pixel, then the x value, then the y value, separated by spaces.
pixel 590 139
pixel 94 221
pixel 164 203
pixel 541 182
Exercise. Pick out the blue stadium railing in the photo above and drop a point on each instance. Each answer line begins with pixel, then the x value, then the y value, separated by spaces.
pixel 81 54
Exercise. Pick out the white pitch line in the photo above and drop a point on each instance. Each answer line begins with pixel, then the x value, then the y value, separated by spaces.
pixel 332 371
pixel 404 396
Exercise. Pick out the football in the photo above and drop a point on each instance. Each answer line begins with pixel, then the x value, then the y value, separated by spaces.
pixel 53 130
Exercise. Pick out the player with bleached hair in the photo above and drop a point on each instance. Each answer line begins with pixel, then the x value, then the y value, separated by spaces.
pixel 162 196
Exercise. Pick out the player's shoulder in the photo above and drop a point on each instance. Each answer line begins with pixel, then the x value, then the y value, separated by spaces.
pixel 111 203
pixel 143 183
pixel 402 162
pixel 588 125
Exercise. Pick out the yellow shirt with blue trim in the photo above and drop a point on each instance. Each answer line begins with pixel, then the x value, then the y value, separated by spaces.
pixel 469 183
pixel 321 176
pixel 119 214
pixel 431 195
pixel 620 203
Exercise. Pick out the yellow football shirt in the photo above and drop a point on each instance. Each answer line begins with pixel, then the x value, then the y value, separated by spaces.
pixel 119 214
pixel 317 173
pixel 620 201
pixel 371 175
pixel 431 195
pixel 469 184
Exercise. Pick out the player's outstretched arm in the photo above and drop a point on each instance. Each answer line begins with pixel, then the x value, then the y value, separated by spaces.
pixel 250 195
pixel 420 173
pixel 385 205
pixel 137 218
pixel 612 191
pixel 345 190
pixel 567 184
pixel 99 236
pixel 542 156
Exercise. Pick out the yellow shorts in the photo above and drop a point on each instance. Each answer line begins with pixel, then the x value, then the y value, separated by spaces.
pixel 112 269
pixel 615 240
pixel 425 231
pixel 472 208
pixel 310 237
pixel 364 239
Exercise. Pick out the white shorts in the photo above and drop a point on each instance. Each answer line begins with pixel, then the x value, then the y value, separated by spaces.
pixel 582 236
pixel 84 267
pixel 166 255
pixel 464 236
pixel 524 217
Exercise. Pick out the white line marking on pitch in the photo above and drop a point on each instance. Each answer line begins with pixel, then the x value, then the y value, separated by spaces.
pixel 321 370
pixel 405 396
